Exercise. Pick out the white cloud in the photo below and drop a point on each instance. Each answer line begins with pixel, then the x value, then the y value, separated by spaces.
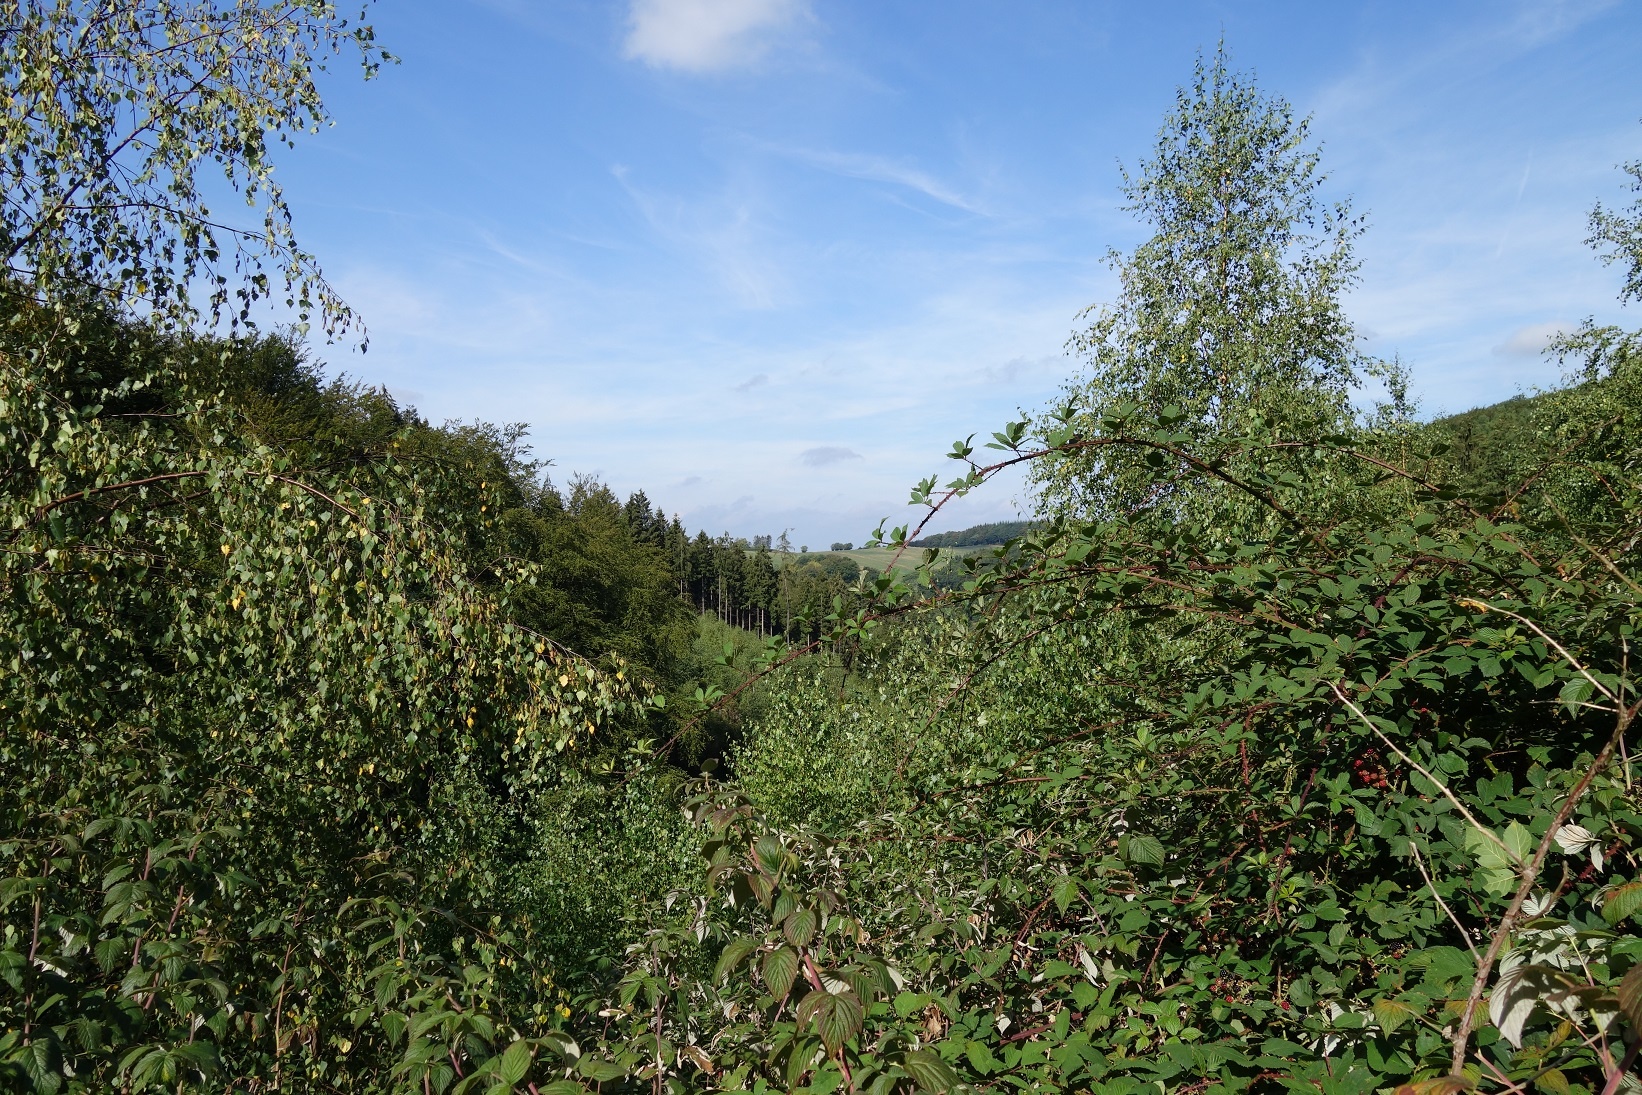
pixel 706 35
pixel 1529 341
pixel 879 169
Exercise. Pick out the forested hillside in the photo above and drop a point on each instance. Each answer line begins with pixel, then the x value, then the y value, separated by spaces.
pixel 976 535
pixel 1285 749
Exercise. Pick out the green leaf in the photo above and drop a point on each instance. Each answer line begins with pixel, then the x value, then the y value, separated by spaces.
pixel 1143 848
pixel 1622 901
pixel 599 1071
pixel 980 1058
pixel 799 1060
pixel 779 968
pixel 732 956
pixel 1520 842
pixel 929 1072
pixel 1391 1014
pixel 837 1016
pixel 515 1062
pixel 1553 1082
pixel 1497 867
pixel 799 927
pixel 1577 691
pixel 1066 891
pixel 908 1002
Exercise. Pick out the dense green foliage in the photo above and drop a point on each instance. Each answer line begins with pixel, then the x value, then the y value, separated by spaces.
pixel 996 532
pixel 1286 749
pixel 1230 313
pixel 109 113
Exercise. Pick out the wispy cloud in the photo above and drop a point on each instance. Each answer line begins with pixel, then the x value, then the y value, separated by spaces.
pixel 855 165
pixel 707 35
pixel 823 455
pixel 722 233
pixel 753 382
pixel 1537 21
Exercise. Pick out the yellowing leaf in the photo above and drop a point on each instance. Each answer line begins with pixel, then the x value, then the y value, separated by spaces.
pixel 1622 901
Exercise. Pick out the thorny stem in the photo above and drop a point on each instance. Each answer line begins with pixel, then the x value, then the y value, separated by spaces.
pixel 1530 875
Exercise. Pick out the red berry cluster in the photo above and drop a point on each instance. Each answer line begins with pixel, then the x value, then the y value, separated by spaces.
pixel 1370 771
pixel 1231 989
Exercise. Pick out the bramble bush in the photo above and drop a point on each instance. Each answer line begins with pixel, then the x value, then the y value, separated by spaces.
pixel 1286 749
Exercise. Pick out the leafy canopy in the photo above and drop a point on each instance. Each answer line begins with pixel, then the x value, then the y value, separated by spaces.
pixel 112 114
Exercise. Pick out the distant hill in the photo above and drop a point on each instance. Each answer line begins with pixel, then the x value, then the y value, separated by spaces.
pixel 1494 446
pixel 995 533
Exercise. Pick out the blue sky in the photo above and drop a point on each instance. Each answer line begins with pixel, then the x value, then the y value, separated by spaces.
pixel 765 259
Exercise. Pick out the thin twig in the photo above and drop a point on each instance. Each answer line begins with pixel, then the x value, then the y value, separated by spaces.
pixel 1422 770
pixel 1558 647
pixel 1530 875
pixel 1414 849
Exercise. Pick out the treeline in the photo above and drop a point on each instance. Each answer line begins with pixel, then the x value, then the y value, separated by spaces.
pixel 759 585
pixel 997 532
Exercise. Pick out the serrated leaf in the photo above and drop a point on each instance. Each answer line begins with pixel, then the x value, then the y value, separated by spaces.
pixel 1575 692
pixel 837 1017
pixel 778 970
pixel 1622 901
pixel 734 953
pixel 515 1062
pixel 929 1072
pixel 1391 1014
pixel 1630 996
pixel 1519 841
pixel 799 927
pixel 1144 848
pixel 1066 891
